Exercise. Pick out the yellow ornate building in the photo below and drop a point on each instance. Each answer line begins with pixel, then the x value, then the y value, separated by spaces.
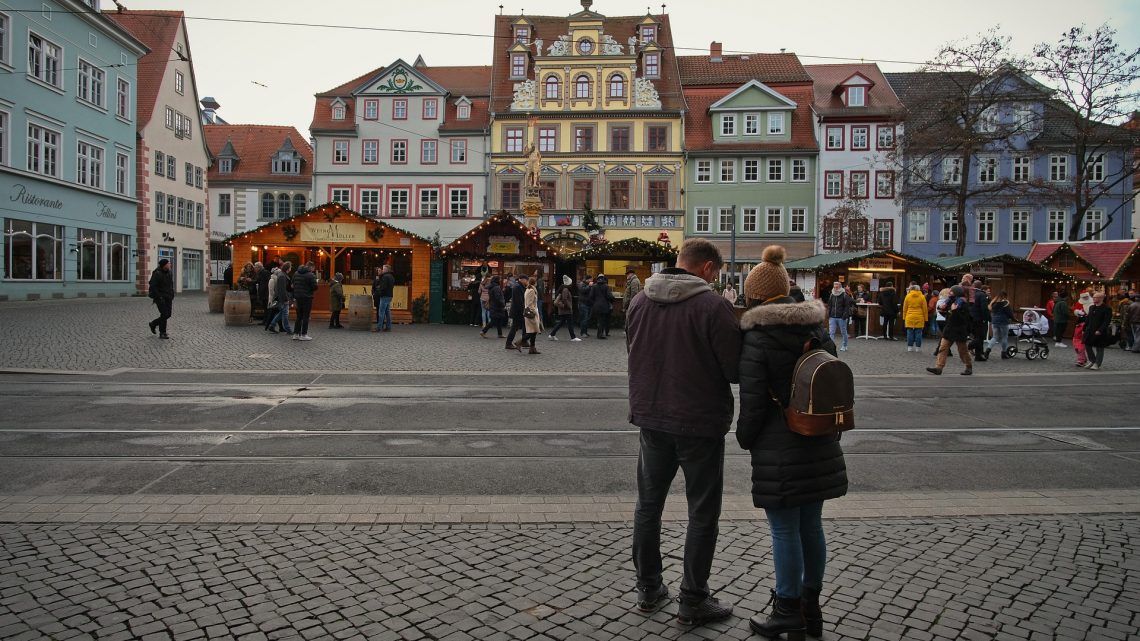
pixel 601 99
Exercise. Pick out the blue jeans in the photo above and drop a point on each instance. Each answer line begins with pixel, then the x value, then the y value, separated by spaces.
pixel 584 320
pixel 799 551
pixel 384 313
pixel 914 337
pixel 486 317
pixel 282 319
pixel 1001 332
pixel 841 324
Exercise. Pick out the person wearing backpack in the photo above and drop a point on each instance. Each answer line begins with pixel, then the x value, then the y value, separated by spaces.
pixel 792 474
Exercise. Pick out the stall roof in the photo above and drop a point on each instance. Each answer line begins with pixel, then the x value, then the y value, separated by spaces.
pixel 826 261
pixel 951 263
pixel 501 218
pixel 1107 258
pixel 331 211
pixel 627 248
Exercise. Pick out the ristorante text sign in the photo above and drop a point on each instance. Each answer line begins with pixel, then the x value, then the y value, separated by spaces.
pixel 332 233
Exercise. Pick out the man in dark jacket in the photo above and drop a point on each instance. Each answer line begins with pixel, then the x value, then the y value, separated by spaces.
pixel 840 307
pixel 162 293
pixel 518 293
pixel 957 330
pixel 979 317
pixel 1060 319
pixel 684 351
pixel 1097 333
pixel 304 288
pixel 888 310
pixel 382 297
pixel 263 292
pixel 584 288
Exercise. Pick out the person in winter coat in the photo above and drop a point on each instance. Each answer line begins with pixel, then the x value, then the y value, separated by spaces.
pixel 280 297
pixel 1060 319
pixel 304 288
pixel 860 314
pixel 382 288
pixel 263 291
pixel 532 320
pixel 584 289
pixel 1097 334
pixel 980 318
pixel 336 300
pixel 602 305
pixel 914 317
pixel 840 308
pixel 956 331
pixel 1001 313
pixel 564 310
pixel 518 304
pixel 792 475
pixel 888 310
pixel 1080 313
pixel 161 291
pixel 496 308
pixel 684 351
pixel 485 300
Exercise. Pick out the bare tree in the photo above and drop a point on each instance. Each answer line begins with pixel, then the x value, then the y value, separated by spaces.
pixel 1098 83
pixel 846 228
pixel 965 102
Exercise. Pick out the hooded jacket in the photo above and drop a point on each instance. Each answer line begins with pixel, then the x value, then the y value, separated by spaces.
pixel 788 469
pixel 840 305
pixel 914 310
pixel 304 283
pixel 684 352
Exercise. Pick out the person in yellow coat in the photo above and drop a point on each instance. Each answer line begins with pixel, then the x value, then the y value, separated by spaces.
pixel 914 312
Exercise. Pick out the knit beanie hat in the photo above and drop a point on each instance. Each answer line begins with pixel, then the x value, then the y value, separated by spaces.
pixel 769 279
pixel 566 280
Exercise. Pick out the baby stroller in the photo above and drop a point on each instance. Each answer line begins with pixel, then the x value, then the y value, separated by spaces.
pixel 1033 330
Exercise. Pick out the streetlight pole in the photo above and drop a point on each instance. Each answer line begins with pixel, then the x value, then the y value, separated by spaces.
pixel 732 252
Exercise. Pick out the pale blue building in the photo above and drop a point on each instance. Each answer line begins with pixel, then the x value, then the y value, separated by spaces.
pixel 68 81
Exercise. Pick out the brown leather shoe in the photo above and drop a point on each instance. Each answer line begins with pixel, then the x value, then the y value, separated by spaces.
pixel 534 351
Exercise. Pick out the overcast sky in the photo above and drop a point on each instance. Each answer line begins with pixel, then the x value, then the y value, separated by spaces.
pixel 233 60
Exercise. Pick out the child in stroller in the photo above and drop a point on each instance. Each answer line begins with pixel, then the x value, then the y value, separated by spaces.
pixel 1033 330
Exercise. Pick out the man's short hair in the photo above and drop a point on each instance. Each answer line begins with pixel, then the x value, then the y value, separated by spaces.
pixel 698 251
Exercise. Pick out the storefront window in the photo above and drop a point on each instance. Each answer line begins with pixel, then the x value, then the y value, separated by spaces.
pixel 118 256
pixel 89 264
pixel 191 269
pixel 32 251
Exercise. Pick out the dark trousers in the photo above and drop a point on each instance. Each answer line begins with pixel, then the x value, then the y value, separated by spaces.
pixel 702 461
pixel 978 342
pixel 516 327
pixel 888 323
pixel 267 316
pixel 563 320
pixel 1059 331
pixel 304 309
pixel 476 312
pixel 603 325
pixel 165 310
pixel 334 320
pixel 584 320
pixel 497 323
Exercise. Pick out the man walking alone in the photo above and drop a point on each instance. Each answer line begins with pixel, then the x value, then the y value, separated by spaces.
pixel 680 397
pixel 162 293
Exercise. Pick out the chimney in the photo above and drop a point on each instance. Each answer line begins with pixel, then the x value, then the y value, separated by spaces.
pixel 209 110
pixel 715 51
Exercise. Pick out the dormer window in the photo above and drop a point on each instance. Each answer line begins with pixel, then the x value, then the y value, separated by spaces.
pixel 338 112
pixel 856 96
pixel 652 65
pixel 648 33
pixel 518 65
pixel 286 164
pixel 552 88
pixel 522 34
pixel 226 166
pixel 463 112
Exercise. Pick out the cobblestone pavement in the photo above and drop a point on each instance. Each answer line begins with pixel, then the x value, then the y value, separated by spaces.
pixel 970 578
pixel 104 334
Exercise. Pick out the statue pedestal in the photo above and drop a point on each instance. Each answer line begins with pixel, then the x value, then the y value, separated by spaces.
pixel 532 208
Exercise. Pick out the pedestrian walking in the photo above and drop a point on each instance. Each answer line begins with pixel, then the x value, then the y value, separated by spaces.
pixel 485 300
pixel 684 352
pixel 1119 321
pixel 602 305
pixel 532 320
pixel 914 313
pixel 980 319
pixel 941 312
pixel 263 291
pixel 1097 333
pixel 161 291
pixel 382 288
pixel 336 301
pixel 792 475
pixel 475 304
pixel 730 294
pixel 1001 315
pixel 1060 319
pixel 539 284
pixel 888 309
pixel 564 310
pixel 1080 313
pixel 280 300
pixel 584 290
pixel 956 331
pixel 304 288
pixel 517 305
pixel 496 308
pixel 840 307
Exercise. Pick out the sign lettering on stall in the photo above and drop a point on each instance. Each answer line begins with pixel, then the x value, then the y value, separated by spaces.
pixel 332 233
pixel 503 245
pixel 989 268
pixel 876 264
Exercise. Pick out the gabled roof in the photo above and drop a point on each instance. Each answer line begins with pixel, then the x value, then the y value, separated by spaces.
pixel 735 70
pixel 826 261
pixel 158 30
pixel 336 209
pixel 1106 258
pixel 699 122
pixel 879 101
pixel 849 80
pixel 966 262
pixel 255 145
pixel 548 28
pixel 626 249
pixel 757 85
pixel 501 221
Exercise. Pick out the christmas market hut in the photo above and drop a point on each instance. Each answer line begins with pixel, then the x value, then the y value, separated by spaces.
pixel 615 258
pixel 337 239
pixel 1028 284
pixel 498 246
pixel 1110 265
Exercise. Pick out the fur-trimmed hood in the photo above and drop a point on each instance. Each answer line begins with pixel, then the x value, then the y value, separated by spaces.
pixel 784 311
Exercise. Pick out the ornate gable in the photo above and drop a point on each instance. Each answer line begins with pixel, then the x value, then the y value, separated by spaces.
pixel 397 79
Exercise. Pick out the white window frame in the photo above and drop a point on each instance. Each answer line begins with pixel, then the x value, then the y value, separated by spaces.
pixel 702 217
pixel 168 118
pixel 518 66
pixel 704 171
pixel 45 61
pixel 43 148
pixel 1020 225
pixel 776 123
pixel 751 124
pixel 170 206
pixel 180 83
pixel 38 231
pixel 769 218
pixel 1020 164
pixel 863 132
pixel 841 130
pixel 225 204
pixel 370 202
pixel 400 109
pixel 751 170
pixel 122 173
pixel 370 151
pixel 1096 169
pixel 857 96
pixel 727 171
pixel 91 84
pixel 463 112
pixel 226 166
pixel 987 170
pixel 123 98
pixel 951 171
pixel 799 168
pixel 652 64
pixel 949 227
pixel 371 110
pixel 430 109
pixel 95 239
pixel 459 151
pixel 5 39
pixel 918 219
pixel 725 219
pixel 342 195
pixel 340 152
pixel 1091 216
pixel 775 170
pixel 338 112
pixel 399 152
pixel 750 220
pixel 429 152
pixel 1056 225
pixel 458 202
pixel 399 202
pixel 428 205
pixel 1058 168
pixel 833 179
pixel 728 124
pixel 797 220
pixel 986 230
pixel 5 138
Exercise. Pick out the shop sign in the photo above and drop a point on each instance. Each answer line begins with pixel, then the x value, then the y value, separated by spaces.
pixel 104 211
pixel 332 233
pixel 876 264
pixel 20 194
pixel 989 268
pixel 503 245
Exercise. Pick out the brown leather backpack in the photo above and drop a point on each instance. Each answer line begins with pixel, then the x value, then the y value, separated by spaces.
pixel 822 399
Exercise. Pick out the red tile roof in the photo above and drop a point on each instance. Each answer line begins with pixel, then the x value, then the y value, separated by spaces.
pixel 548 28
pixel 467 81
pixel 479 120
pixel 158 30
pixel 880 99
pixel 255 146
pixel 1108 257
pixel 739 69
pixel 699 125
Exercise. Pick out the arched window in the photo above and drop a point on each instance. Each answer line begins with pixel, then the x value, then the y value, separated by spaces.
pixel 617 86
pixel 282 205
pixel 298 204
pixel 552 87
pixel 267 202
pixel 582 86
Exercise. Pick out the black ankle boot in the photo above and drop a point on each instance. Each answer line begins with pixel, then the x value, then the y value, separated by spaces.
pixel 787 617
pixel 813 615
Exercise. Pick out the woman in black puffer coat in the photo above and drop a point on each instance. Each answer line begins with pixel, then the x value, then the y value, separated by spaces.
pixel 792 475
pixel 496 308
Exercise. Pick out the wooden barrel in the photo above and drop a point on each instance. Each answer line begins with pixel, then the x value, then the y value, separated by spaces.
pixel 361 312
pixel 217 298
pixel 237 308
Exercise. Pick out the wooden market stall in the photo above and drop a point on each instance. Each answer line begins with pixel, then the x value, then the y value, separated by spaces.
pixel 1109 265
pixel 338 239
pixel 1027 284
pixel 614 258
pixel 498 246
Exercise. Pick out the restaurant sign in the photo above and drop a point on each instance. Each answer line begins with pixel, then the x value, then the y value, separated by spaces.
pixel 876 264
pixel 988 268
pixel 503 245
pixel 333 233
